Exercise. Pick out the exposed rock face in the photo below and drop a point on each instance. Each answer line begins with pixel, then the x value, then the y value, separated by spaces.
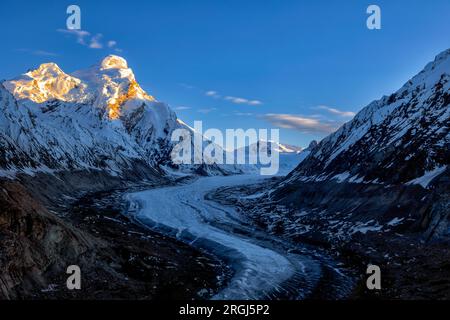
pixel 34 243
pixel 396 139
pixel 387 169
pixel 118 259
pixel 378 189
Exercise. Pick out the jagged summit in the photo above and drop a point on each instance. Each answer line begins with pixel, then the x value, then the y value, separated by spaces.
pixel 50 69
pixel 113 85
pixel 111 66
pixel 114 62
pixel 95 118
pixel 441 57
pixel 98 118
pixel 432 73
pixel 46 82
pixel 385 172
pixel 401 138
pixel 109 85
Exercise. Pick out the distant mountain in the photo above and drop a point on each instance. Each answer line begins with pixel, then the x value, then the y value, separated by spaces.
pixel 289 155
pixel 272 145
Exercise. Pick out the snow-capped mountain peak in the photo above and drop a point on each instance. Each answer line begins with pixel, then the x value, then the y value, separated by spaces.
pixel 96 118
pixel 269 145
pixel 45 83
pixel 396 139
pixel 109 85
pixel 114 62
pixel 113 85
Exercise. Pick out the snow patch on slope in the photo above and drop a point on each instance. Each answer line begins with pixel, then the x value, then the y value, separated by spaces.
pixel 428 177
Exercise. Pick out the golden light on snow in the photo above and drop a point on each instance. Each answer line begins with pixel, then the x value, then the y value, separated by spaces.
pixel 114 62
pixel 46 82
pixel 134 92
pixel 108 85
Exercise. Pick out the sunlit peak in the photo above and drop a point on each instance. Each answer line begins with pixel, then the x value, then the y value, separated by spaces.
pixel 114 62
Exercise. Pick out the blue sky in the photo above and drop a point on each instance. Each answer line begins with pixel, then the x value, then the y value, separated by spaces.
pixel 302 66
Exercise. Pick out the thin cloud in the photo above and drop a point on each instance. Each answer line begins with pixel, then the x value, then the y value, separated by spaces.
pixel 96 42
pixel 79 34
pixel 301 124
pixel 337 111
pixel 41 53
pixel 238 100
pixel 206 110
pixel 213 94
pixel 216 95
pixel 186 86
pixel 180 108
pixel 44 53
pixel 246 114
pixel 112 43
pixel 85 38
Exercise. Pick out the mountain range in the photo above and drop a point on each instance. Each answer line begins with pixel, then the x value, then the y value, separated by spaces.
pixel 94 119
pixel 381 181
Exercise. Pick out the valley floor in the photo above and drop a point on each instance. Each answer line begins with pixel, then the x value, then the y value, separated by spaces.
pixel 412 268
pixel 196 240
pixel 131 262
pixel 264 266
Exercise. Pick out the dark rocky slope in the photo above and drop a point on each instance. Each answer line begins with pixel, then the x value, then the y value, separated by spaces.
pixel 387 169
pixel 34 243
pixel 378 189
pixel 118 259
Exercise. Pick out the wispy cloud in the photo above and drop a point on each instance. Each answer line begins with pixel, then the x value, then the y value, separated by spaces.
pixel 180 108
pixel 85 38
pixel 186 86
pixel 80 35
pixel 96 42
pixel 302 124
pixel 336 111
pixel 213 94
pixel 42 53
pixel 246 114
pixel 238 100
pixel 112 43
pixel 206 110
pixel 216 95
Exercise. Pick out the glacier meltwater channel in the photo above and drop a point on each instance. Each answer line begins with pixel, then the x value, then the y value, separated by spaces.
pixel 260 270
